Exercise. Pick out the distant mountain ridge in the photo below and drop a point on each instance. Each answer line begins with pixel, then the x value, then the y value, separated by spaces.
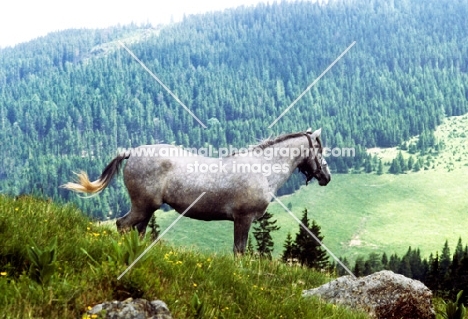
pixel 67 102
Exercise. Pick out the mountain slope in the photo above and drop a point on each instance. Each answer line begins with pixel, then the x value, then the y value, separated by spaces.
pixel 70 99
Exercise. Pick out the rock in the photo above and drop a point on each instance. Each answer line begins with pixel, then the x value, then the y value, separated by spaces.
pixel 383 295
pixel 131 309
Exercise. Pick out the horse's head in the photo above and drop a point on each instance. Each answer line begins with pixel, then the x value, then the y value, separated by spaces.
pixel 315 165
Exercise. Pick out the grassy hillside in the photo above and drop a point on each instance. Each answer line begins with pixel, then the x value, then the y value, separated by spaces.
pixel 362 213
pixel 90 257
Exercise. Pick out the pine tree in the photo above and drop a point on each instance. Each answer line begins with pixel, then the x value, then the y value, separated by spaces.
pixel 380 167
pixel 401 162
pixel 395 167
pixel 384 260
pixel 264 226
pixel 433 280
pixel 288 249
pixel 410 163
pixel 445 260
pixel 417 166
pixel 250 248
pixel 306 248
pixel 154 228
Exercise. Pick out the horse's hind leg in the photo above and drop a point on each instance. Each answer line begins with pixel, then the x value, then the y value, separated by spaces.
pixel 136 217
pixel 141 227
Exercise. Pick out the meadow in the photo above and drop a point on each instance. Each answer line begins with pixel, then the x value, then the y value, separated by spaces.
pixel 79 262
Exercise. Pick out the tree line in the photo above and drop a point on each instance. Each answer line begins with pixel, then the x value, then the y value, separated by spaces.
pixel 445 274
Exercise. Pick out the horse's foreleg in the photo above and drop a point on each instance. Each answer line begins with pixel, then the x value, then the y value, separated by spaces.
pixel 241 234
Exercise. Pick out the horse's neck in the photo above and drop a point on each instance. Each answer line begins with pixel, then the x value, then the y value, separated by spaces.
pixel 288 164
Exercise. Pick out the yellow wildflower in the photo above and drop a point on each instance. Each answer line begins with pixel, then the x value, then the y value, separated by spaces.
pixel 194 284
pixel 3 273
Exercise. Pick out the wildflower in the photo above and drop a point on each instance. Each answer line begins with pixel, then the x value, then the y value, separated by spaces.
pixel 199 265
pixel 96 234
pixel 3 273
pixel 89 308
pixel 94 316
pixel 88 228
pixel 194 284
pixel 16 209
pixel 179 262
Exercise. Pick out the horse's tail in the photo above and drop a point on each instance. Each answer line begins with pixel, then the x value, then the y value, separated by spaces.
pixel 84 185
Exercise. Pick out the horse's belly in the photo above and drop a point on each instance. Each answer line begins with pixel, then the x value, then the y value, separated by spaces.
pixel 206 215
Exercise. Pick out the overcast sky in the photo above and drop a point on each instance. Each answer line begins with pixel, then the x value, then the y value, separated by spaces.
pixel 23 20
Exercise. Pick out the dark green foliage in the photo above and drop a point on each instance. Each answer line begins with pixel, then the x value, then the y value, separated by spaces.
pixel 305 248
pixel 250 248
pixel 456 309
pixel 154 228
pixel 262 233
pixel 287 255
pixel 380 168
pixel 43 262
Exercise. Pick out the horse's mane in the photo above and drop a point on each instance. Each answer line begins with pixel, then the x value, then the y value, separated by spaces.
pixel 269 142
pixel 272 141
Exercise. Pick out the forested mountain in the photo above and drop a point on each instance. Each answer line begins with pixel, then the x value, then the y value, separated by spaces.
pixel 70 99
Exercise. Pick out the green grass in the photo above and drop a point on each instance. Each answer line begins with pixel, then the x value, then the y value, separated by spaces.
pixel 91 257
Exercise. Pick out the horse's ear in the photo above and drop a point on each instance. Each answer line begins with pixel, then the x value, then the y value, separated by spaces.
pixel 317 132
pixel 309 131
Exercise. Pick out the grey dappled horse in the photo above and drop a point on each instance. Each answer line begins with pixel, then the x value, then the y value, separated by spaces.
pixel 237 187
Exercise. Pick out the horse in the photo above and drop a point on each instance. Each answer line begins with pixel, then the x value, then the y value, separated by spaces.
pixel 238 187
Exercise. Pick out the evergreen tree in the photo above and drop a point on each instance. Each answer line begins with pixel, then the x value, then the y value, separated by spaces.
pixel 250 248
pixel 384 260
pixel 401 162
pixel 433 280
pixel 288 249
pixel 359 267
pixel 262 229
pixel 417 166
pixel 307 249
pixel 395 167
pixel 154 228
pixel 445 260
pixel 380 168
pixel 410 163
